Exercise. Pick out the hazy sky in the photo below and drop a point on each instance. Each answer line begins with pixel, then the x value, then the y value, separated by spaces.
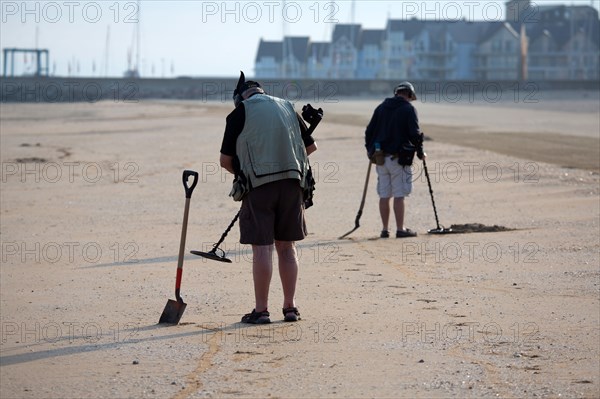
pixel 200 38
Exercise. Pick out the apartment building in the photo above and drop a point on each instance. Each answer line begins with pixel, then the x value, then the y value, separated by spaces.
pixel 546 42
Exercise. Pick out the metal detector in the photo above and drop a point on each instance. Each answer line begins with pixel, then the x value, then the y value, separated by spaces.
pixel 217 253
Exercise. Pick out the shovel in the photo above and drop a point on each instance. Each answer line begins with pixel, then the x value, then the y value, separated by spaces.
pixel 174 309
pixel 362 205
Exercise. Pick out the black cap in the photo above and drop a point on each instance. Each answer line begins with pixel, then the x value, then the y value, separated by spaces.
pixel 242 86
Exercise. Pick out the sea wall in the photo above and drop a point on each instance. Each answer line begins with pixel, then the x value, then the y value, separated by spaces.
pixel 61 89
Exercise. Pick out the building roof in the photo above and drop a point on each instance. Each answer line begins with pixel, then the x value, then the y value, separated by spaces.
pixel 350 31
pixel 297 46
pixel 411 28
pixel 559 34
pixel 371 37
pixel 494 27
pixel 269 49
pixel 318 50
pixel 466 31
pixel 587 22
pixel 561 22
pixel 461 31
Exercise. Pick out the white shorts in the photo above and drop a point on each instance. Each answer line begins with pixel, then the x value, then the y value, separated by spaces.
pixel 393 179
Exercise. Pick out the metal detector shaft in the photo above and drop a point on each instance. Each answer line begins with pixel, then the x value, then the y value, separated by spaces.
pixel 237 215
pixel 212 254
pixel 431 193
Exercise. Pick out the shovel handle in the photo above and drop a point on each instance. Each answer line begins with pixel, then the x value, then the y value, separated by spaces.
pixel 189 189
pixel 364 196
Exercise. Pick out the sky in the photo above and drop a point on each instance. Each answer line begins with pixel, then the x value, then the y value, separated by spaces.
pixel 200 38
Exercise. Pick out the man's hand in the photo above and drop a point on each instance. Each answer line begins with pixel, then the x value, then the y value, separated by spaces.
pixel 422 155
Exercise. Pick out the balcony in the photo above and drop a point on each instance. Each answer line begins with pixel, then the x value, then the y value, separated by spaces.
pixel 442 68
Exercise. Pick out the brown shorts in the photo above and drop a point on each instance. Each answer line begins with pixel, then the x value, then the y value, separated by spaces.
pixel 273 211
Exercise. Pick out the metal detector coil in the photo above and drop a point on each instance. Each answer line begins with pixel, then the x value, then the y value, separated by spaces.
pixel 212 255
pixel 440 230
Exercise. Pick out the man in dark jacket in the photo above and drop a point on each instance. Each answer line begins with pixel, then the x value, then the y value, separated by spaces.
pixel 393 136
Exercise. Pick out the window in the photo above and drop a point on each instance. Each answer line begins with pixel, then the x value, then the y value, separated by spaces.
pixel 575 45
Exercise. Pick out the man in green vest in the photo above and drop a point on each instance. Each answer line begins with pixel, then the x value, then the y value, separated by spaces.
pixel 266 146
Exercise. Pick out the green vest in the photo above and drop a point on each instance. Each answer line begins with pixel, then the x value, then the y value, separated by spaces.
pixel 270 147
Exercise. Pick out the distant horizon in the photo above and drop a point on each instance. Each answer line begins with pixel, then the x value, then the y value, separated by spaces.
pixel 200 38
pixel 293 80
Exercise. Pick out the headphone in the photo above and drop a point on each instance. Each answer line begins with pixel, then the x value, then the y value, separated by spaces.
pixel 242 86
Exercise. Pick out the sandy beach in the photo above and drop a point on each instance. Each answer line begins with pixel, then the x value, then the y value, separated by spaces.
pixel 91 208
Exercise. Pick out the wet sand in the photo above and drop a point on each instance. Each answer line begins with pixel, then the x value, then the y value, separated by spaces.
pixel 537 131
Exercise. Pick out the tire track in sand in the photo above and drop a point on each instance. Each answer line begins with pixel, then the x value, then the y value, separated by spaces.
pixel 491 370
pixel 376 254
pixel 193 383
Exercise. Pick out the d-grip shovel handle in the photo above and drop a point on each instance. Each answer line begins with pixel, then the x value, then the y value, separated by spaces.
pixel 189 189
pixel 188 195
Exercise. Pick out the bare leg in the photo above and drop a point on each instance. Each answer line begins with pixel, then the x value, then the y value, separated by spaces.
pixel 384 211
pixel 288 271
pixel 399 212
pixel 262 270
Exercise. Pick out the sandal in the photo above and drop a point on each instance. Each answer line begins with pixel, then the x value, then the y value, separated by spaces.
pixel 257 317
pixel 405 233
pixel 291 314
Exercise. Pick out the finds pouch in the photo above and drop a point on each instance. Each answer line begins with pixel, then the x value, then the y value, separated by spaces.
pixel 309 189
pixel 378 157
pixel 406 155
pixel 240 187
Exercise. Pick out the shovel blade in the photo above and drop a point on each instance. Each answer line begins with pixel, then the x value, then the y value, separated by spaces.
pixel 348 233
pixel 173 312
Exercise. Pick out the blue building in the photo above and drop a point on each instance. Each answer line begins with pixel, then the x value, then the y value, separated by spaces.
pixel 557 42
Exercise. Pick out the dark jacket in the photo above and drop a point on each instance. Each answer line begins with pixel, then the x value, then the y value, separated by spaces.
pixel 394 124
